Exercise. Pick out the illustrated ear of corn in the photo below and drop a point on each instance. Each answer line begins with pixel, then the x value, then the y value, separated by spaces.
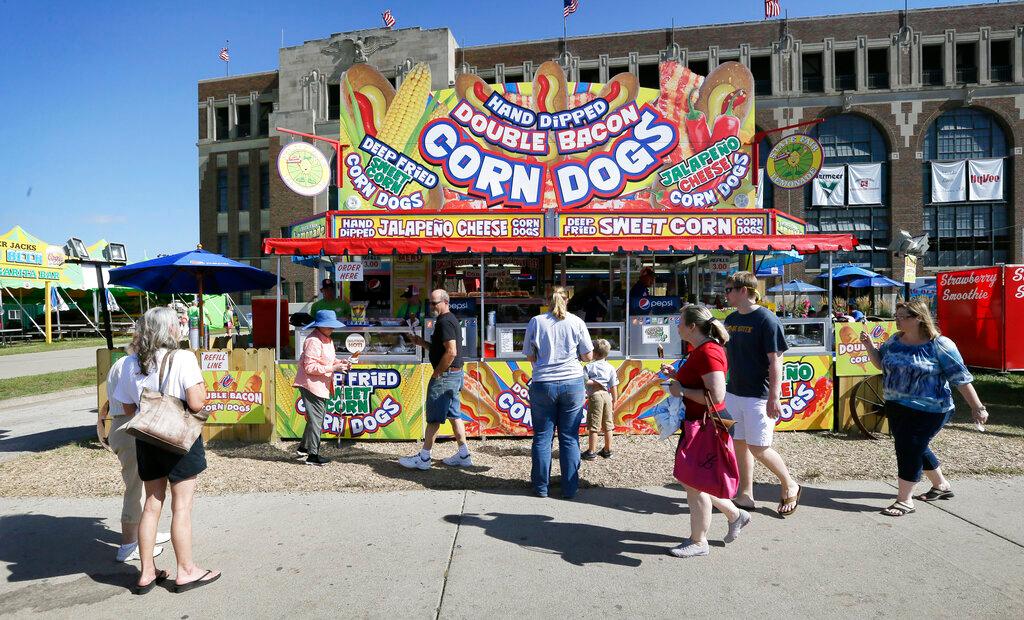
pixel 403 121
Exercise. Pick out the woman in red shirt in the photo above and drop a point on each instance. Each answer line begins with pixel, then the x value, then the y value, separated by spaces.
pixel 704 369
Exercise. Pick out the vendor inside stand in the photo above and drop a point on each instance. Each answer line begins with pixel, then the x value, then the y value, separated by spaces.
pixel 412 306
pixel 644 286
pixel 330 301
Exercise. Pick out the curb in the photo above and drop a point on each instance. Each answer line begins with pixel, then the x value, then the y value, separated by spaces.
pixel 42 398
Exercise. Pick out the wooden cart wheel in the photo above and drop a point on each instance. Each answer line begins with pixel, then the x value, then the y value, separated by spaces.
pixel 867 406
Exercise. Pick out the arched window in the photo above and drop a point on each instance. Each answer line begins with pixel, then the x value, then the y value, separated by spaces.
pixel 968 233
pixel 852 139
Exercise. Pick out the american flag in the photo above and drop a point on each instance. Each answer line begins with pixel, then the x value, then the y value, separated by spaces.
pixel 224 54
pixel 569 7
pixel 772 8
pixel 389 19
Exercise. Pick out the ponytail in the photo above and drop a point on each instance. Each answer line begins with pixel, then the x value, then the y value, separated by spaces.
pixel 559 303
pixel 706 323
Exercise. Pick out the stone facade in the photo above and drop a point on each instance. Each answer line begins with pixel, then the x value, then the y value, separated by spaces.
pixel 896 100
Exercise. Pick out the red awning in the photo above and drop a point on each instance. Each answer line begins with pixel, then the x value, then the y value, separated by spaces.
pixel 805 244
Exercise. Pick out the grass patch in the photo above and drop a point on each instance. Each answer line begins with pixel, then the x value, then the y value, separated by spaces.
pixel 47 383
pixel 58 345
pixel 1005 389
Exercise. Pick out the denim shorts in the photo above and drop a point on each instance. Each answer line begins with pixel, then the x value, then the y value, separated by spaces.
pixel 444 397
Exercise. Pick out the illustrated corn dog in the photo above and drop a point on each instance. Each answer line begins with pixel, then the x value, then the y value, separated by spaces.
pixel 550 94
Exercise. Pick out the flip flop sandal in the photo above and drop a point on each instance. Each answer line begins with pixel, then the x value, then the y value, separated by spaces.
pixel 198 583
pixel 898 509
pixel 790 500
pixel 161 576
pixel 934 494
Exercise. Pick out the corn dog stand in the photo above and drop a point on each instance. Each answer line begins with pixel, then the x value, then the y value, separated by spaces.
pixel 628 196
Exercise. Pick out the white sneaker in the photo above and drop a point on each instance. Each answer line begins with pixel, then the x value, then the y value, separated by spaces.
pixel 414 462
pixel 456 460
pixel 130 552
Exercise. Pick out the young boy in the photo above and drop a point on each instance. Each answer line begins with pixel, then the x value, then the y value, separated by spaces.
pixel 602 390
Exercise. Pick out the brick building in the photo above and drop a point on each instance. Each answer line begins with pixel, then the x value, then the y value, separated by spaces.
pixel 898 89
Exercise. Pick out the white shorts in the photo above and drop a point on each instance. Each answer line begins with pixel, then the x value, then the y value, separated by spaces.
pixel 752 422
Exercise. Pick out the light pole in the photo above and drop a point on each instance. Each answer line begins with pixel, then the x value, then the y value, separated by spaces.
pixel 113 254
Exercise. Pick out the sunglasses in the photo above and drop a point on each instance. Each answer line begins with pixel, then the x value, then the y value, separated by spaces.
pixel 730 289
pixel 434 303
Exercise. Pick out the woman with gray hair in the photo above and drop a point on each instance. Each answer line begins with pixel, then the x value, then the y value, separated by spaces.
pixel 158 365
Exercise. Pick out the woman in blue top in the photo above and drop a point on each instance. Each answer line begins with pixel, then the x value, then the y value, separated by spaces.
pixel 555 343
pixel 919 365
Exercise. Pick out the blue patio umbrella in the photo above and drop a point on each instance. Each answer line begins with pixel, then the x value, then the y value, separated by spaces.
pixel 874 282
pixel 196 271
pixel 772 264
pixel 849 271
pixel 796 286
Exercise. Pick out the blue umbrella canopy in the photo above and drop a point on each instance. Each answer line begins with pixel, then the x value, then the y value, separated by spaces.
pixel 874 282
pixel 849 271
pixel 196 271
pixel 772 264
pixel 796 286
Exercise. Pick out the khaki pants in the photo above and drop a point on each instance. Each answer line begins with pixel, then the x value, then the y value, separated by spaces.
pixel 599 412
pixel 123 446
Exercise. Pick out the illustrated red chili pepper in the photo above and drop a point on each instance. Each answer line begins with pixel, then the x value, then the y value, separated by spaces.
pixel 696 128
pixel 726 125
pixel 366 113
pixel 734 99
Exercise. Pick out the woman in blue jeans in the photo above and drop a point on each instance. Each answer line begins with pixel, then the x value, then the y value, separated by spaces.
pixel 919 366
pixel 556 342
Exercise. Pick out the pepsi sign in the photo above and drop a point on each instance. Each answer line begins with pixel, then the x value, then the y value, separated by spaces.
pixel 655 305
pixel 466 305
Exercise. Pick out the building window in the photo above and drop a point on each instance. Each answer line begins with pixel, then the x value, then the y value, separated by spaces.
pixel 966 63
pixel 768 188
pixel 222 190
pixel 932 65
pixel 333 102
pixel 264 186
pixel 812 73
pixel 649 76
pixel 300 292
pixel 591 76
pixel 761 68
pixel 851 139
pixel 243 128
pixel 700 67
pixel 243 189
pixel 846 69
pixel 222 245
pixel 265 109
pixel 264 235
pixel 245 298
pixel 243 245
pixel 966 234
pixel 878 67
pixel 221 119
pixel 964 133
pixel 1001 61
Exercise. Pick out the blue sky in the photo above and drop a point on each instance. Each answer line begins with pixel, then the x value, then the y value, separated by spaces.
pixel 101 102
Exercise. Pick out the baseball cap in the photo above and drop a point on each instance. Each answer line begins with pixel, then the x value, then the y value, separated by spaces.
pixel 326 283
pixel 411 291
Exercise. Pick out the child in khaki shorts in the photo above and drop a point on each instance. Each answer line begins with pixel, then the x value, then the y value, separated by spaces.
pixel 602 390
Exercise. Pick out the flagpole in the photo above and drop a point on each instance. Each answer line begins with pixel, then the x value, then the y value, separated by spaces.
pixel 227 63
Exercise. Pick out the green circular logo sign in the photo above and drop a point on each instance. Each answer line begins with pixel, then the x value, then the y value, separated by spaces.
pixel 794 161
pixel 304 169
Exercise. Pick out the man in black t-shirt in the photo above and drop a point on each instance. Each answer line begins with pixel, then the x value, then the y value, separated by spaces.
pixel 445 387
pixel 755 350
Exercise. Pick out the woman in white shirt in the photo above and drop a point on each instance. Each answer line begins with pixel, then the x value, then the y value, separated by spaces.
pixel 556 342
pixel 158 338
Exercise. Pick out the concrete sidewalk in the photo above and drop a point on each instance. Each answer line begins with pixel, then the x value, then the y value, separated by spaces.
pixel 24 364
pixel 477 554
pixel 37 423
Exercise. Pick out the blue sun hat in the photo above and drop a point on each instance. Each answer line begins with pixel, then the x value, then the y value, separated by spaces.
pixel 326 318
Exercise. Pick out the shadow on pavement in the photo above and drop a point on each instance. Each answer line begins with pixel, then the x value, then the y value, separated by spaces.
pixel 635 500
pixel 38 547
pixel 576 543
pixel 38 442
pixel 767 498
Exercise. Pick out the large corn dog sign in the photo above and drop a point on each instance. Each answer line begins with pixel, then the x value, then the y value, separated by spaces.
pixel 547 144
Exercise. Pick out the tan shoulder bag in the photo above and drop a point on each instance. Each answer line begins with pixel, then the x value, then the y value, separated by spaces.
pixel 164 420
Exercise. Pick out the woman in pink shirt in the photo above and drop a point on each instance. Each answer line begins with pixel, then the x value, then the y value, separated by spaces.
pixel 315 380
